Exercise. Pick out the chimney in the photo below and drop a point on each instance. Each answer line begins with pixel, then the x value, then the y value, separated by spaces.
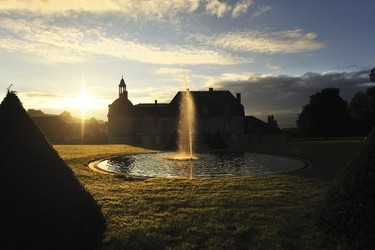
pixel 211 89
pixel 238 96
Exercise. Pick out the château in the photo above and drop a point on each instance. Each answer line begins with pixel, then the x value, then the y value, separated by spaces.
pixel 220 122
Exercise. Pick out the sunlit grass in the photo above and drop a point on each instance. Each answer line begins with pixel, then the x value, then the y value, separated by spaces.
pixel 270 212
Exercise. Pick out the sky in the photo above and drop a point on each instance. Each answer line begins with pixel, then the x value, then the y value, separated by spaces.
pixel 70 55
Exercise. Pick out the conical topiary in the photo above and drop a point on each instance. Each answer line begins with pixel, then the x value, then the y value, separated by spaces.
pixel 43 205
pixel 348 213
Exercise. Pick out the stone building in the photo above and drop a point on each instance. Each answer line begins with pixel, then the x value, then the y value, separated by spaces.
pixel 220 119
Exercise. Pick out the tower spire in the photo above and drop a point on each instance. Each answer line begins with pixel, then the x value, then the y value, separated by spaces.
pixel 122 88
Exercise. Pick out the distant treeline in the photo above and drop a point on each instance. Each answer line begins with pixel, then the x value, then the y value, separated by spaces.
pixel 66 129
pixel 328 115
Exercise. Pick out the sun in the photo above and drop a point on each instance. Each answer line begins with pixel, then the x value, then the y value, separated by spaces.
pixel 84 101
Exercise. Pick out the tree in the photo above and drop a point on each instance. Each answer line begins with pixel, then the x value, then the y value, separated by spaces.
pixel 362 108
pixel 273 127
pixel 325 115
pixel 66 116
pixel 372 75
pixel 35 113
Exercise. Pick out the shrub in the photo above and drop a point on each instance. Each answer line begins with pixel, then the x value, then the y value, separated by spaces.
pixel 43 205
pixel 348 213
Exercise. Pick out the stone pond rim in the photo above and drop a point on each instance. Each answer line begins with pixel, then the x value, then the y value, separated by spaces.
pixel 208 165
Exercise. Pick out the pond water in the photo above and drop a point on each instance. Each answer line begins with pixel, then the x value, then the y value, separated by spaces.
pixel 203 165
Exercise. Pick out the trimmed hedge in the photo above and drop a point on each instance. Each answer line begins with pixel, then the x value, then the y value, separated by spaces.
pixel 347 214
pixel 43 205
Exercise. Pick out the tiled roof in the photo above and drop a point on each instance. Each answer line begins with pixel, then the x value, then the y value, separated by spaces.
pixel 207 103
pixel 212 103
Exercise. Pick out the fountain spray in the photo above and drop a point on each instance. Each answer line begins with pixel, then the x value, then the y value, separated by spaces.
pixel 186 125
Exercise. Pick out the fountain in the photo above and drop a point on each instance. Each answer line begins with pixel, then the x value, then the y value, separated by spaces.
pixel 185 163
pixel 186 127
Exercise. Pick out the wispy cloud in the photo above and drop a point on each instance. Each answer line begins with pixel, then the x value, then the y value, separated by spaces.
pixel 262 10
pixel 151 10
pixel 173 71
pixel 53 43
pixel 241 7
pixel 163 94
pixel 221 8
pixel 42 95
pixel 136 9
pixel 217 8
pixel 288 41
pixel 273 66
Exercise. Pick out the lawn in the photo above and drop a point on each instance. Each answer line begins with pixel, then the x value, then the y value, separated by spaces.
pixel 269 212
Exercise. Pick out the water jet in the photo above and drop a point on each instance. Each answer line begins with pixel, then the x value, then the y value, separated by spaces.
pixel 186 128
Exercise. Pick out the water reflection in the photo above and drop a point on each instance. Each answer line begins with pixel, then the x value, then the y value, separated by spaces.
pixel 205 165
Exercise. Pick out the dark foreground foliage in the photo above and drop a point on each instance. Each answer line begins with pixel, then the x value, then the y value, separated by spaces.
pixel 348 213
pixel 43 205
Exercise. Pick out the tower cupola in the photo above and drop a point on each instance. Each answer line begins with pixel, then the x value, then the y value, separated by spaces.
pixel 122 89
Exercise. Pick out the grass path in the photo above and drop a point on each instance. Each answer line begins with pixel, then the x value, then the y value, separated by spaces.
pixel 269 212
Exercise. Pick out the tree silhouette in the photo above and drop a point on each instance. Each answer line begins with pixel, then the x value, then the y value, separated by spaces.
pixel 362 108
pixel 35 113
pixel 43 205
pixel 372 75
pixel 66 116
pixel 325 115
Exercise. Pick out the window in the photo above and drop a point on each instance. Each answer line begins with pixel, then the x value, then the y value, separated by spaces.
pixel 250 140
pixel 138 140
pixel 205 111
pixel 227 110
pixel 137 126
pixel 164 127
pixel 227 126
pixel 206 127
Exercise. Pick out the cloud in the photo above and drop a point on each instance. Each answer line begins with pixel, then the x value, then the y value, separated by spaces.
pixel 273 66
pixel 284 96
pixel 287 41
pixel 220 8
pixel 53 44
pixel 42 95
pixel 162 93
pixel 173 71
pixel 158 10
pixel 241 7
pixel 263 9
pixel 217 8
pixel 151 10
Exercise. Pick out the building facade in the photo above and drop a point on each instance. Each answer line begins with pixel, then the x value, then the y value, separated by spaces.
pixel 220 121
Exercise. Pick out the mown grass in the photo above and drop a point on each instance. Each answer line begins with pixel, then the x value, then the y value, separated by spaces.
pixel 269 212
